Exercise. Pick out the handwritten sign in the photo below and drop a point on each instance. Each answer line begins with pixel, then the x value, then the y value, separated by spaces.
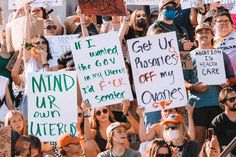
pixel 157 71
pixel 102 7
pixel 186 60
pixel 142 2
pixel 12 61
pixel 17 28
pixel 14 4
pixel 60 44
pixel 230 5
pixel 185 4
pixel 5 142
pixel 101 69
pixel 50 113
pixel 210 64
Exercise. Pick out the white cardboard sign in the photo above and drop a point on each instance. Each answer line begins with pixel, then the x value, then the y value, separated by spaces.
pixel 157 72
pixel 142 2
pixel 101 69
pixel 49 112
pixel 210 66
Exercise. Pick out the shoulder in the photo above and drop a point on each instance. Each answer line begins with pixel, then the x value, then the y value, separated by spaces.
pixel 104 154
pixel 133 153
pixel 218 119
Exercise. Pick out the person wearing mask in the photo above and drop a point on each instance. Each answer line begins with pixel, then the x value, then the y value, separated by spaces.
pixel 166 24
pixel 175 134
pixel 224 124
pixel 203 96
pixel 117 138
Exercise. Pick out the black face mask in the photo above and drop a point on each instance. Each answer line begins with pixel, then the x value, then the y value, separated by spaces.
pixel 141 23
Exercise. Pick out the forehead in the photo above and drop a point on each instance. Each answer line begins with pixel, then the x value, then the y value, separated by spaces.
pixel 233 93
pixel 101 108
pixel 224 17
pixel 119 128
pixel 140 12
pixel 203 30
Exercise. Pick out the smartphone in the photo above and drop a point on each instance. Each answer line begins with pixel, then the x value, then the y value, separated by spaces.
pixel 209 133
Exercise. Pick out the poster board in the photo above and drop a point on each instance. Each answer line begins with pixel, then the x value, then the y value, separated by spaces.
pixel 101 69
pixel 14 4
pixel 17 28
pixel 210 64
pixel 60 44
pixel 142 2
pixel 157 72
pixel 50 113
pixel 12 61
pixel 5 142
pixel 103 7
pixel 230 5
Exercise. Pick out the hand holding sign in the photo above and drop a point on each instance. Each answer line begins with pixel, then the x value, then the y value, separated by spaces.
pixel 140 111
pixel 198 86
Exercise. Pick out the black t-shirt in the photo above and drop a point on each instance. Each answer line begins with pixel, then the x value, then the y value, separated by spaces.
pixel 66 59
pixel 224 129
pixel 91 30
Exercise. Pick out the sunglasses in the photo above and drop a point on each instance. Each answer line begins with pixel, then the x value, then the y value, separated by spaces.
pixel 164 155
pixel 169 7
pixel 172 127
pixel 50 27
pixel 232 99
pixel 80 114
pixel 98 113
pixel 40 42
pixel 141 15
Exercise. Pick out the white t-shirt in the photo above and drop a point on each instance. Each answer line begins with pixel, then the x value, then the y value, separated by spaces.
pixel 3 85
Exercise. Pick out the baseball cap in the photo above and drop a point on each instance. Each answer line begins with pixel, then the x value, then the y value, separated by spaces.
pixel 165 2
pixel 67 138
pixel 173 118
pixel 203 26
pixel 115 125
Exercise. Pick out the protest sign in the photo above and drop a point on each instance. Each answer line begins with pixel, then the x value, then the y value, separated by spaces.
pixel 210 64
pixel 101 69
pixel 14 4
pixel 50 113
pixel 186 60
pixel 5 142
pixel 12 61
pixel 142 2
pixel 102 7
pixel 230 5
pixel 157 72
pixel 185 4
pixel 60 44
pixel 18 29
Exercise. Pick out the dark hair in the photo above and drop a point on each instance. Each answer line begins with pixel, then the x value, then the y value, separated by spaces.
pixel 49 56
pixel 45 15
pixel 224 13
pixel 223 94
pixel 35 143
pixel 156 145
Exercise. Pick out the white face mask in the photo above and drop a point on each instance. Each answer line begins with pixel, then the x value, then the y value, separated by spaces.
pixel 172 134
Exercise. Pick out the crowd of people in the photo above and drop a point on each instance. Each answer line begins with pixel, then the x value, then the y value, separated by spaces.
pixel 203 127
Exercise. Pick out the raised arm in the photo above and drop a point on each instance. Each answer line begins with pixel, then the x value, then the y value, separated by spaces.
pixel 143 134
pixel 191 126
pixel 15 70
pixel 89 132
pixel 9 102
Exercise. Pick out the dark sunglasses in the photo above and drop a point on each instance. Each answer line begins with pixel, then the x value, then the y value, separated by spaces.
pixel 50 27
pixel 80 115
pixel 164 155
pixel 139 15
pixel 232 99
pixel 40 42
pixel 172 127
pixel 169 7
pixel 98 113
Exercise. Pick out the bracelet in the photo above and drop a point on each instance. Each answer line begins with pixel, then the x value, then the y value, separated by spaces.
pixel 127 114
pixel 87 116
pixel 45 65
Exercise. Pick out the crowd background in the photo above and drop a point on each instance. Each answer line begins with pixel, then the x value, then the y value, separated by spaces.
pixel 204 127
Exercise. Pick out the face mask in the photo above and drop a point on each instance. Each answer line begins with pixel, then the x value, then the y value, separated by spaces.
pixel 172 134
pixel 141 23
pixel 169 14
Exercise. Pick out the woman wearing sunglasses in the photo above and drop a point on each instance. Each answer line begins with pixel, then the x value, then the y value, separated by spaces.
pixel 176 135
pixel 101 118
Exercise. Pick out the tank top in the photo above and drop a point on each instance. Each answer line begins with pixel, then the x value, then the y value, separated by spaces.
pixel 100 141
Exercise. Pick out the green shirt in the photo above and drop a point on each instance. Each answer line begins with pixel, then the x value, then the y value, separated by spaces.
pixel 3 63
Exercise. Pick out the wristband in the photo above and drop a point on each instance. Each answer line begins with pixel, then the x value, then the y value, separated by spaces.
pixel 87 116
pixel 45 65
